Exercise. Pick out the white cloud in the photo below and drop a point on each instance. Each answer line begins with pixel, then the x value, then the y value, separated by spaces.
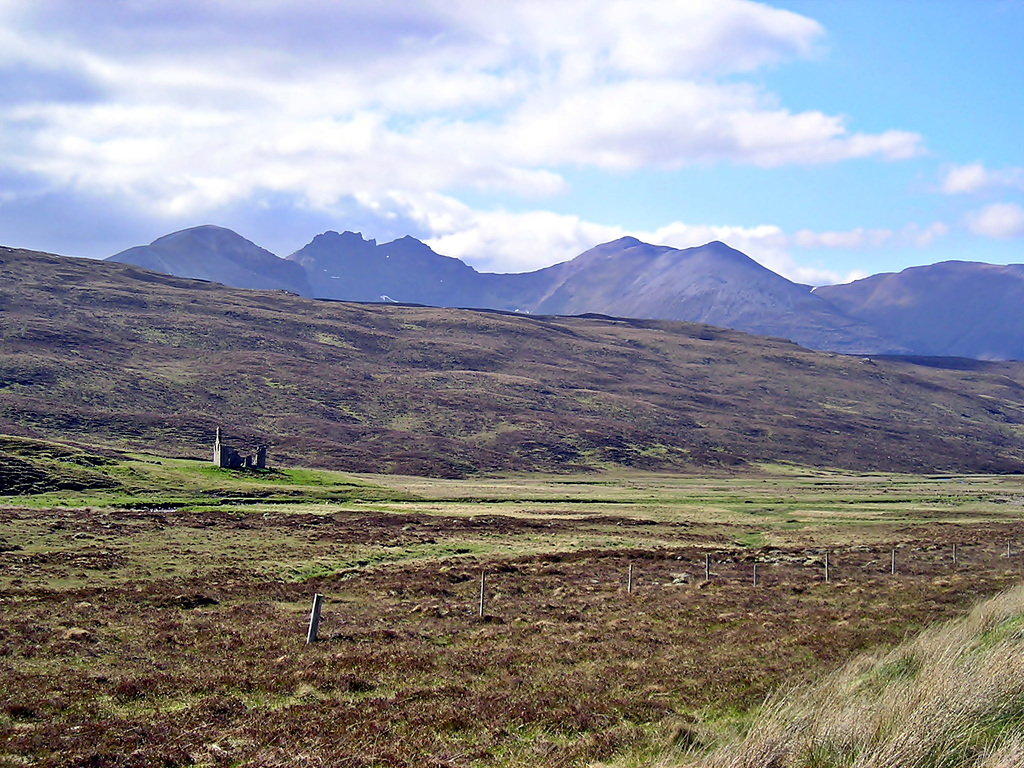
pixel 861 238
pixel 194 104
pixel 626 38
pixel 669 124
pixel 189 106
pixel 965 178
pixel 999 220
pixel 505 242
pixel 975 177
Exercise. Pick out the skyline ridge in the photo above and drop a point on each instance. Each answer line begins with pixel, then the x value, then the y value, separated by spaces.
pixel 713 283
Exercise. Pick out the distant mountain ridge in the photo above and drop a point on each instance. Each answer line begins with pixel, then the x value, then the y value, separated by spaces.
pixel 712 284
pixel 219 255
pixel 345 266
pixel 948 309
pixel 953 308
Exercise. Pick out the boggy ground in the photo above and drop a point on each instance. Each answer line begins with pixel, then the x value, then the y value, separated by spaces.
pixel 176 636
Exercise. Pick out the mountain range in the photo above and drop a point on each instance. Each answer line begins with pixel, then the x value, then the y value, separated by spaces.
pixel 962 309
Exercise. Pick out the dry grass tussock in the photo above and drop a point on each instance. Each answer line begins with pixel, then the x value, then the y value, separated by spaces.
pixel 953 697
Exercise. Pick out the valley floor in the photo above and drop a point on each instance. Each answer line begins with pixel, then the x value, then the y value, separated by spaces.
pixel 165 624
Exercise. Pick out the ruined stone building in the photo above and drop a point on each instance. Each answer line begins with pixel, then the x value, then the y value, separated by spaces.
pixel 228 458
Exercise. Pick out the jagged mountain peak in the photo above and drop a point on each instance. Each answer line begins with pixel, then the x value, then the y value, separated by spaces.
pixel 348 236
pixel 406 270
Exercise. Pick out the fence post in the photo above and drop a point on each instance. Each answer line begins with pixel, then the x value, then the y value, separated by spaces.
pixel 314 619
pixel 707 566
pixel 629 580
pixel 954 554
pixel 755 574
pixel 483 591
pixel 892 569
pixel 826 566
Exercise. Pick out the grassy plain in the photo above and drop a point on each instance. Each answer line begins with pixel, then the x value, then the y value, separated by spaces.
pixel 159 618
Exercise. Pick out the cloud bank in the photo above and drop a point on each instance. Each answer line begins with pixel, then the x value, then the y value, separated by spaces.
pixel 179 108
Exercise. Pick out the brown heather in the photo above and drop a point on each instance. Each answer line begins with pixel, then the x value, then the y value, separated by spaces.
pixel 163 622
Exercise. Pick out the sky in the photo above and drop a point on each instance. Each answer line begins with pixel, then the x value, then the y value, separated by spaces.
pixel 827 139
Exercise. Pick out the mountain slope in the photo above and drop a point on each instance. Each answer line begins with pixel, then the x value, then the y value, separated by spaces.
pixel 348 267
pixel 712 284
pixel 959 308
pixel 220 255
pixel 115 355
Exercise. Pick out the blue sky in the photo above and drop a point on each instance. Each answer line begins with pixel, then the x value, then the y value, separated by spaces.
pixel 828 139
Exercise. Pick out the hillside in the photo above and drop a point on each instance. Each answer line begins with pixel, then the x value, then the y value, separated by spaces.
pixel 114 355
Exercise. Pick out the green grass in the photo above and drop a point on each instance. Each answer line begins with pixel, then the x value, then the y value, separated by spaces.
pixel 146 480
pixel 923 704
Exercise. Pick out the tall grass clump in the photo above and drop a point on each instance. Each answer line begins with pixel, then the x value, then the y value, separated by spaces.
pixel 953 697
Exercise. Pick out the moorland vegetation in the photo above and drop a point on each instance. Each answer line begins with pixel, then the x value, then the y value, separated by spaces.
pixel 160 619
pixel 115 356
pixel 952 696
pixel 154 606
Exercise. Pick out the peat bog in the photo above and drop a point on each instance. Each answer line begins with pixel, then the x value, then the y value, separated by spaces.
pixel 174 634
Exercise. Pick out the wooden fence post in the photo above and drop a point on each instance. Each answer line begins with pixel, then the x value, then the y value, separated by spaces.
pixel 314 619
pixel 629 580
pixel 707 566
pixel 755 574
pixel 892 568
pixel 954 554
pixel 483 590
pixel 826 566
